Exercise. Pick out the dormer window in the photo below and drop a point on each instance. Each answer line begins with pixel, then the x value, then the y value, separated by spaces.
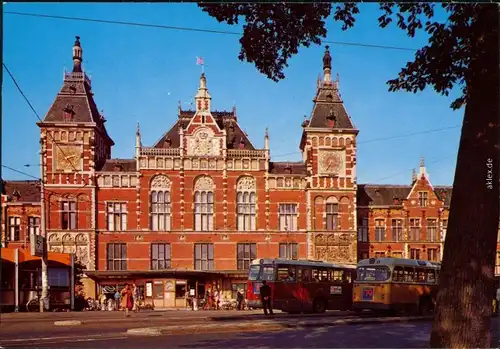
pixel 16 195
pixel 68 112
pixel 231 127
pixel 118 168
pixel 288 170
pixel 395 201
pixel 168 143
pixel 242 144
pixel 72 89
pixel 329 97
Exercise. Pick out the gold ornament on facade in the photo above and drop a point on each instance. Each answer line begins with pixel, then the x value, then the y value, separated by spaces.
pixel 246 183
pixel 161 182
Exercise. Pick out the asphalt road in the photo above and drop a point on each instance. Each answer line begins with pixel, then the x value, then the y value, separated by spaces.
pixel 386 335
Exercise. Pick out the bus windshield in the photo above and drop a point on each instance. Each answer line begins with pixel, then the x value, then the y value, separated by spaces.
pixel 261 272
pixel 379 273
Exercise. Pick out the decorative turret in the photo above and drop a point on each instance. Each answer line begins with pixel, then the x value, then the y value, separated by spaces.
pixel 138 145
pixel 327 65
pixel 423 171
pixel 203 98
pixel 266 139
pixel 77 56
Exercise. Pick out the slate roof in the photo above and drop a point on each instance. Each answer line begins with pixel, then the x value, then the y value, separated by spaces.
pixel 384 195
pixel 296 168
pixel 328 103
pixel 226 120
pixel 28 191
pixel 127 165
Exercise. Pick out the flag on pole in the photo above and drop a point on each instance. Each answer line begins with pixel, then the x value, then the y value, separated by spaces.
pixel 199 61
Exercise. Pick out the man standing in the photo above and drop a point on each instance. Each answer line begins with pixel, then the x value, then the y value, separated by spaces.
pixel 265 297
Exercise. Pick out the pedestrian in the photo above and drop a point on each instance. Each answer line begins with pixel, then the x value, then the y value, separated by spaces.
pixel 239 299
pixel 217 298
pixel 265 297
pixel 127 302
pixel 209 299
pixel 102 301
pixel 135 297
pixel 117 300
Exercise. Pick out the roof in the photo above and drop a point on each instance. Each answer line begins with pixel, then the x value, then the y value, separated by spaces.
pixel 226 120
pixel 28 191
pixel 306 262
pixel 126 165
pixel 384 194
pixel 328 104
pixel 296 168
pixel 398 261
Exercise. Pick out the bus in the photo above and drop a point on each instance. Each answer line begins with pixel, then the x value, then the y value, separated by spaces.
pixel 396 284
pixel 301 286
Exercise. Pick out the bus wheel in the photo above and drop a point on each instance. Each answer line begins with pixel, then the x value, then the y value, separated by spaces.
pixel 319 306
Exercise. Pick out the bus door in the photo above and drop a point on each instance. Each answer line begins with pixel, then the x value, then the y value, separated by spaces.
pixel 286 289
pixel 304 282
pixel 340 288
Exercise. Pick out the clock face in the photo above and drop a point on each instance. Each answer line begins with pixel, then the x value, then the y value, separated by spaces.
pixel 330 163
pixel 68 158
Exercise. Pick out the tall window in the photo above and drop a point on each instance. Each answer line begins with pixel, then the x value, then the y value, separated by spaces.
pixel 397 229
pixel 422 198
pixel 203 204
pixel 246 253
pixel 160 210
pixel 160 256
pixel 363 230
pixel 288 217
pixel 414 253
pixel 414 229
pixel 289 251
pixel 14 229
pixel 117 216
pixel 332 216
pixel 33 226
pixel 432 231
pixel 379 230
pixel 203 256
pixel 116 258
pixel 68 215
pixel 444 227
pixel 246 210
pixel 432 255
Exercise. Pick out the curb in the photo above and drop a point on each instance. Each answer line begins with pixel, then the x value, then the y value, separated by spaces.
pixel 67 323
pixel 269 324
pixel 280 316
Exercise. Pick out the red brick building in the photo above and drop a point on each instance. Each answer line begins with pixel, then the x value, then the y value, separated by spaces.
pixel 198 205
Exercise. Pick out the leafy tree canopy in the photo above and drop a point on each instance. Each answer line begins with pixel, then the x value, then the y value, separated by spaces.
pixel 273 33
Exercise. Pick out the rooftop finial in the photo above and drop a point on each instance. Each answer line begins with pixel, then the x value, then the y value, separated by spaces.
pixel 77 56
pixel 138 132
pixel 422 162
pixel 413 176
pixel 327 59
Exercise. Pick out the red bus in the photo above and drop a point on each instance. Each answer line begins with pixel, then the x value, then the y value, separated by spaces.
pixel 302 286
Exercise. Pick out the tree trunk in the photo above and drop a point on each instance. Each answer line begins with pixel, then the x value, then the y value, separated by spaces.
pixel 466 285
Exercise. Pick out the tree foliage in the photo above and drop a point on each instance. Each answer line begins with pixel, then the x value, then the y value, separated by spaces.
pixel 272 33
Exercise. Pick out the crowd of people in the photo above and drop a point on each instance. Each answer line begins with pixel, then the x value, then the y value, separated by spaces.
pixel 126 299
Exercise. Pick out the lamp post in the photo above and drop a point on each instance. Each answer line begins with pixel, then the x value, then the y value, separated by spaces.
pixel 43 232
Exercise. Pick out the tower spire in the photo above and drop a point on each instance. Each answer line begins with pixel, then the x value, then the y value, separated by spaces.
pixel 77 56
pixel 203 98
pixel 327 65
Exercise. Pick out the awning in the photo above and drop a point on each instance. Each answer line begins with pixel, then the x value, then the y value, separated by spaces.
pixel 101 275
pixel 8 254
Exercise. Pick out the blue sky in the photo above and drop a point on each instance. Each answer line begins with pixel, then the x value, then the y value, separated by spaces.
pixel 140 74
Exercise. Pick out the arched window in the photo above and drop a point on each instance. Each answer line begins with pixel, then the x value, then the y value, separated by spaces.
pixel 160 203
pixel 204 204
pixel 245 203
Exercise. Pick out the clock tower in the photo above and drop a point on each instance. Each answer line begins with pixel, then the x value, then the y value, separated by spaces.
pixel 328 147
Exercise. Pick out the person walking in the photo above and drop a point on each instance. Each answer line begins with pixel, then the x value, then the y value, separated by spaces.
pixel 127 302
pixel 265 297
pixel 239 299
pixel 117 298
pixel 135 298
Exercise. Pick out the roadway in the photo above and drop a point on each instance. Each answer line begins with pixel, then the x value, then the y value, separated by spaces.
pixel 382 335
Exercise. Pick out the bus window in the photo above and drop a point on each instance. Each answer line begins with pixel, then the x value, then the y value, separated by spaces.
pixel 379 273
pixel 286 274
pixel 338 275
pixel 420 275
pixel 398 274
pixel 267 273
pixel 306 275
pixel 409 274
pixel 431 276
pixel 253 273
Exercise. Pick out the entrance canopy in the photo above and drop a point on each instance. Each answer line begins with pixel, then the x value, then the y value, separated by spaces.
pixel 103 275
pixel 8 254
